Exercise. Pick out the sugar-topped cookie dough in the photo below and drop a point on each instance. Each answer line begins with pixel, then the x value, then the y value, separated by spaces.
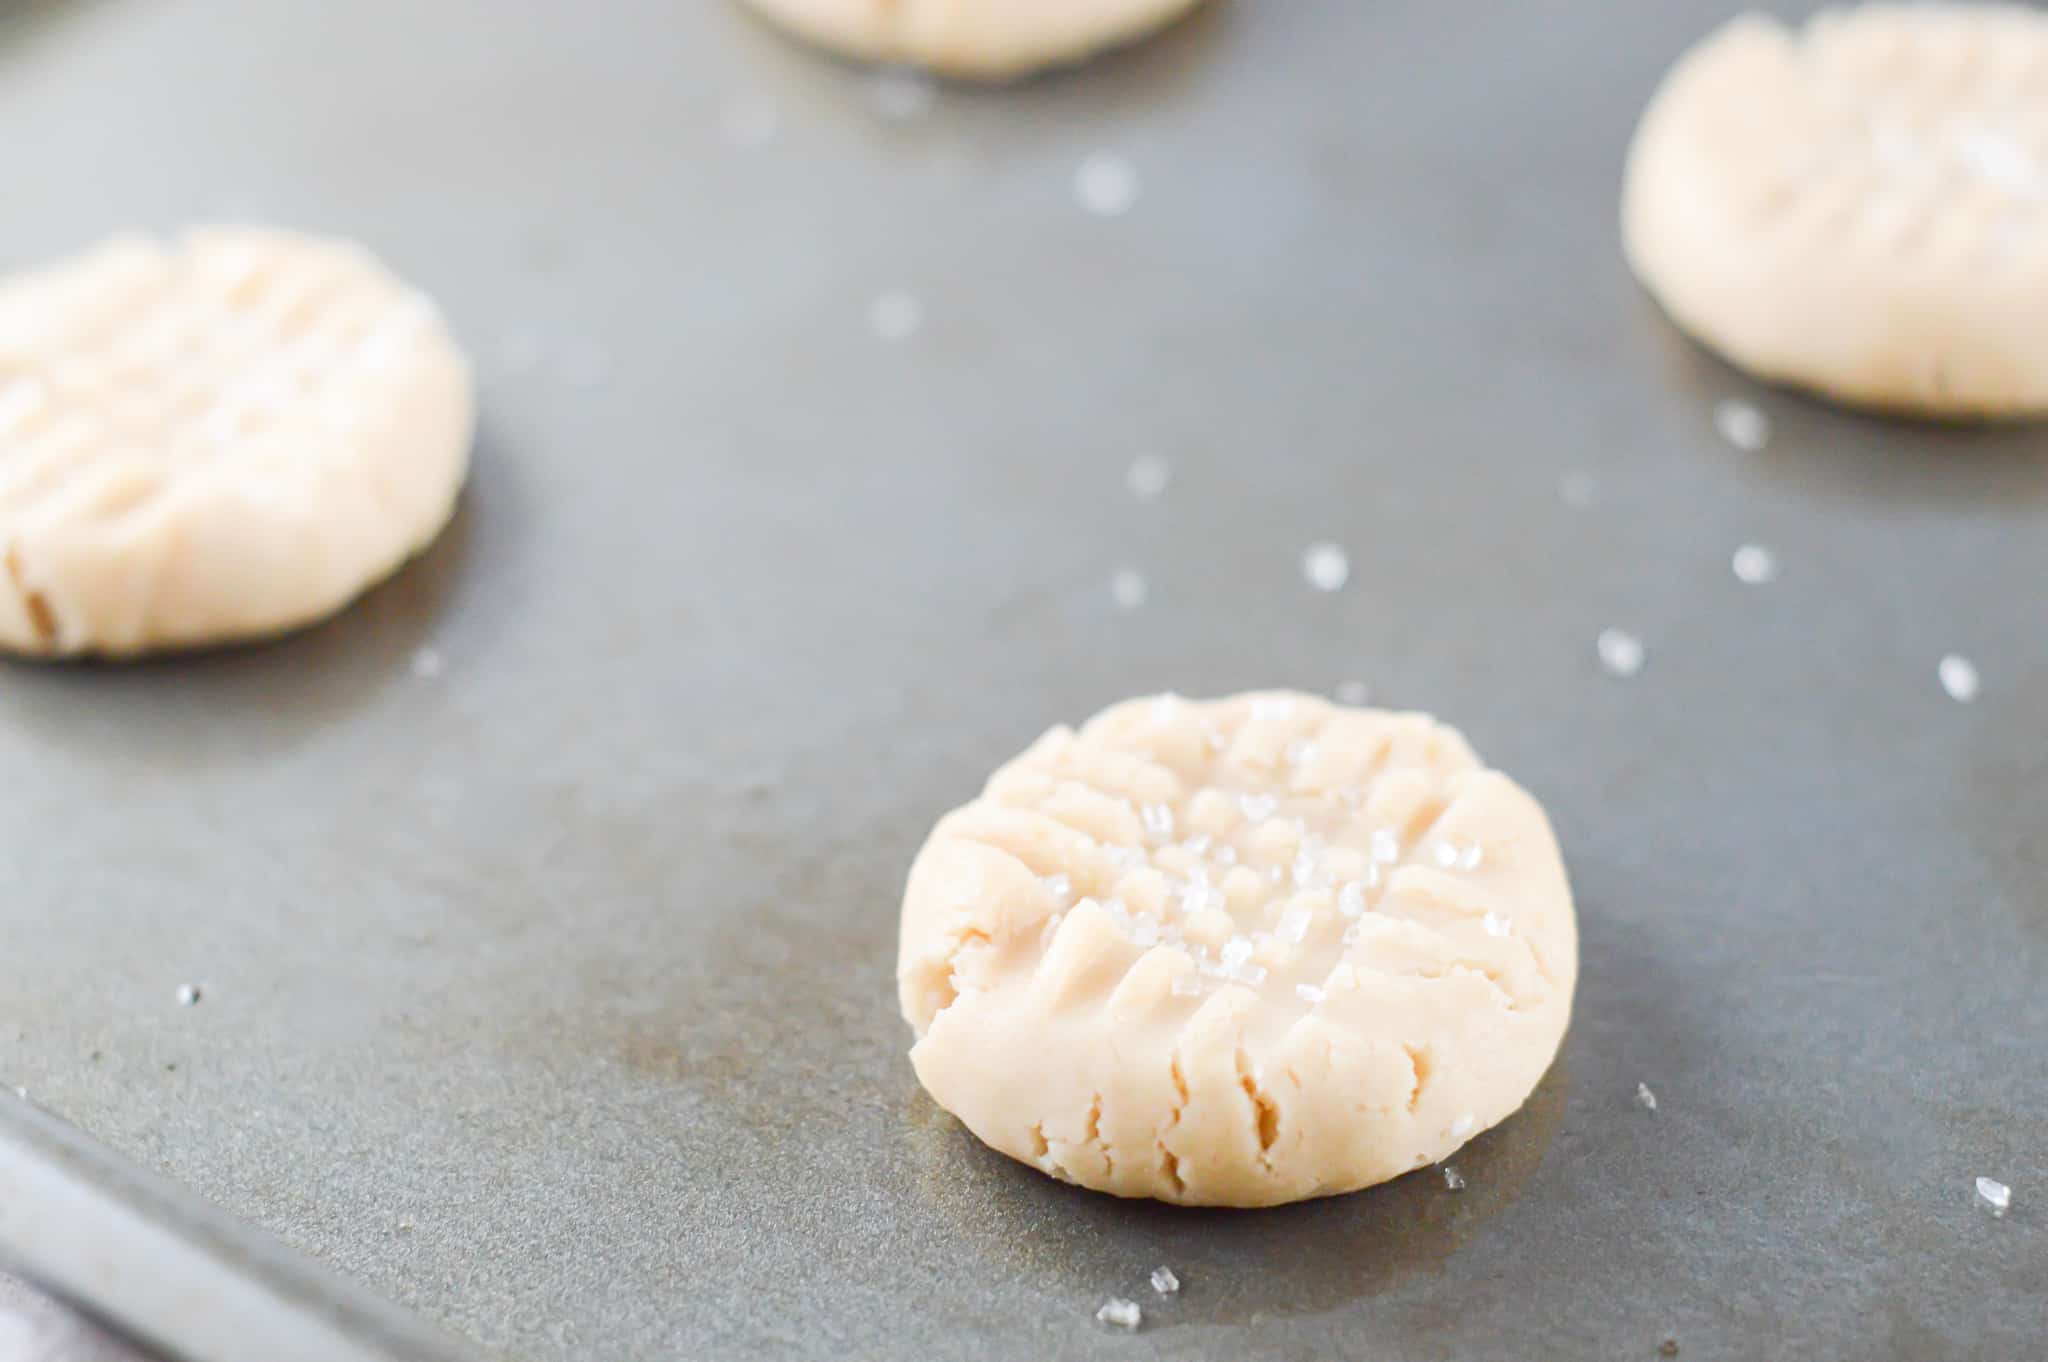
pixel 215 438
pixel 1859 207
pixel 1238 952
pixel 973 39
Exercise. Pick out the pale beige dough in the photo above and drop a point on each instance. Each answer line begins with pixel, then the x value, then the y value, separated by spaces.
pixel 1238 952
pixel 216 438
pixel 973 39
pixel 1859 207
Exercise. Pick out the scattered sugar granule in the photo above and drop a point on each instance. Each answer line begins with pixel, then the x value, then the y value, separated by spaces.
pixel 1496 925
pixel 1164 1281
pixel 1059 886
pixel 1309 993
pixel 1120 1313
pixel 1147 477
pixel 1995 1195
pixel 1123 857
pixel 1621 652
pixel 1106 185
pixel 1294 924
pixel 1453 1179
pixel 1646 1097
pixel 1351 899
pixel 1326 566
pixel 895 315
pixel 1742 425
pixel 1257 808
pixel 1187 985
pixel 188 994
pixel 1755 565
pixel 1158 821
pixel 1959 678
pixel 1386 845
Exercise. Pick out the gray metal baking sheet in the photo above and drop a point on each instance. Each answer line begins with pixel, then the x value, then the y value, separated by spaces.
pixel 550 995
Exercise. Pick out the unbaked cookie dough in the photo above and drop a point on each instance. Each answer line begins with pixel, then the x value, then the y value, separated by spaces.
pixel 1238 952
pixel 1859 207
pixel 215 438
pixel 973 39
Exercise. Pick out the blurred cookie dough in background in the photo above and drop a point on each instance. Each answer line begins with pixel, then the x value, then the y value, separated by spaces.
pixel 216 438
pixel 1859 207
pixel 991 40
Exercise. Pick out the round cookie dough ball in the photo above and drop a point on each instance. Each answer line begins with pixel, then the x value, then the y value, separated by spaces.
pixel 216 438
pixel 973 39
pixel 1859 207
pixel 1238 952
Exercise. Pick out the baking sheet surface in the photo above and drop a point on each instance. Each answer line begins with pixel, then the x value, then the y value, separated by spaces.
pixel 550 994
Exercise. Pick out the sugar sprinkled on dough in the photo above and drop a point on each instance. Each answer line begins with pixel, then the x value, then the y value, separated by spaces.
pixel 1294 924
pixel 1996 1196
